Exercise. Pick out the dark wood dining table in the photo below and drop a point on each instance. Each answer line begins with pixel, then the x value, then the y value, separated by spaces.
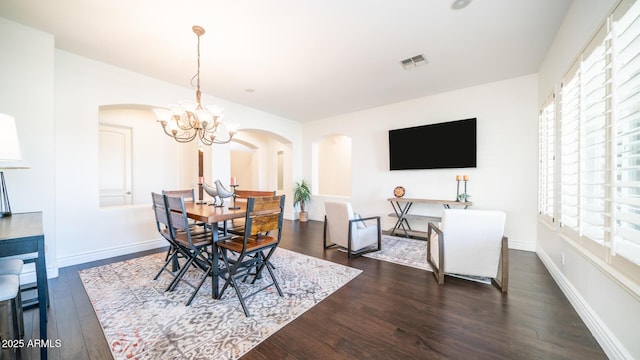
pixel 217 218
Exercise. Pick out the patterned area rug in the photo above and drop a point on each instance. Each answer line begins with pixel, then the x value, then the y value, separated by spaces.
pixel 142 321
pixel 412 252
pixel 403 251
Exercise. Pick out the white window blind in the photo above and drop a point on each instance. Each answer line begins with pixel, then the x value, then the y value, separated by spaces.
pixel 547 139
pixel 626 40
pixel 569 154
pixel 595 141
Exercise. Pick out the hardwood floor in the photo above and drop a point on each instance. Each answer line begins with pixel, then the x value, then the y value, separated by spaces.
pixel 387 312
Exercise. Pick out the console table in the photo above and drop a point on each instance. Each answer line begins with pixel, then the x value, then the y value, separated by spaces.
pixel 401 207
pixel 22 234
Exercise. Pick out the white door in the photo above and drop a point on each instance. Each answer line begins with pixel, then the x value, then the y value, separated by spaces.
pixel 115 165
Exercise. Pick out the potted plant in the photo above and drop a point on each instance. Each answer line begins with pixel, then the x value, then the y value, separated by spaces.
pixel 301 195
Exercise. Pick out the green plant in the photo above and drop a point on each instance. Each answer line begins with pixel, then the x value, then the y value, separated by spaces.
pixel 302 193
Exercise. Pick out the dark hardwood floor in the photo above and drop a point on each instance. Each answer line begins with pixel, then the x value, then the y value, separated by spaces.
pixel 387 312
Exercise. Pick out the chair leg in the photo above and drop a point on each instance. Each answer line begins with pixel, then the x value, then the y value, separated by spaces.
pixel 204 277
pixel 265 264
pixel 16 316
pixel 502 282
pixel 232 281
pixel 324 233
pixel 19 314
pixel 180 274
pixel 437 269
pixel 172 254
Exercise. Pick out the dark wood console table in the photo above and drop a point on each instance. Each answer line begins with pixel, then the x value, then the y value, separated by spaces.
pixel 22 234
pixel 401 207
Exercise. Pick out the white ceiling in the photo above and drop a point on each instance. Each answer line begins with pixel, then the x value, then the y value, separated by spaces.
pixel 306 59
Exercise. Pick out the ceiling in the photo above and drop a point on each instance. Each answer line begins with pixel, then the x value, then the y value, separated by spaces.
pixel 302 59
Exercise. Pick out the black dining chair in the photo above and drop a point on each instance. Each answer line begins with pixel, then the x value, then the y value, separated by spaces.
pixel 175 251
pixel 196 241
pixel 252 250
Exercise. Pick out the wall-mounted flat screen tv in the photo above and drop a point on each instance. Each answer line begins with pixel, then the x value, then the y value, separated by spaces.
pixel 434 146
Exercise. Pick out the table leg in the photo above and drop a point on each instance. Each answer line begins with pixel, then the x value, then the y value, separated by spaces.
pixel 216 257
pixel 41 274
pixel 398 212
pixel 401 213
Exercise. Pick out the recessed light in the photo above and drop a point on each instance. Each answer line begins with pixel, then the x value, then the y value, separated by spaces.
pixel 250 90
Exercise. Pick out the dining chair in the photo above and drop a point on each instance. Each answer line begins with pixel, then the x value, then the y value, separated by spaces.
pixel 254 248
pixel 196 241
pixel 176 251
pixel 187 194
pixel 236 226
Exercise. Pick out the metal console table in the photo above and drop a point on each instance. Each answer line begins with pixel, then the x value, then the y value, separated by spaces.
pixel 402 206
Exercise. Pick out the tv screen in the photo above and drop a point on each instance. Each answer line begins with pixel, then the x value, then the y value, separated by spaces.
pixel 434 146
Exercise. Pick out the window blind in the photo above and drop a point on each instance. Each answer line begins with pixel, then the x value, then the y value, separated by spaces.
pixel 547 139
pixel 626 40
pixel 595 135
pixel 569 153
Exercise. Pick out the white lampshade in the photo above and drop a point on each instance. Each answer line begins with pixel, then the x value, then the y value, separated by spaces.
pixel 9 145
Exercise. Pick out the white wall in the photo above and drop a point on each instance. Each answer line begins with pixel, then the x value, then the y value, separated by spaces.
pixel 607 306
pixel 504 179
pixel 334 157
pixel 27 93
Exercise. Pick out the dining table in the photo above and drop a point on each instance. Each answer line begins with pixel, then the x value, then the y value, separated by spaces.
pixel 217 217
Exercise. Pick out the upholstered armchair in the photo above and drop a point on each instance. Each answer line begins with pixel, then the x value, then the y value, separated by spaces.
pixel 342 227
pixel 470 242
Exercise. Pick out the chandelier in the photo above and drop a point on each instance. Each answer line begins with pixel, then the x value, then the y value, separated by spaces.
pixel 188 120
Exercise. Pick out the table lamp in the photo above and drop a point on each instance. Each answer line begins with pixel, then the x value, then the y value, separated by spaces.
pixel 9 158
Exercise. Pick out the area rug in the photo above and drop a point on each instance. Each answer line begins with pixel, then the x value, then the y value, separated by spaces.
pixel 403 251
pixel 142 321
pixel 413 253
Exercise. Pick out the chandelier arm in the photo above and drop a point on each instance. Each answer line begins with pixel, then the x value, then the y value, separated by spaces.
pixel 188 137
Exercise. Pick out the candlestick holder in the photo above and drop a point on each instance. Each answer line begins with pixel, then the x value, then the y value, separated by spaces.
pixel 200 200
pixel 234 207
pixel 465 190
pixel 458 190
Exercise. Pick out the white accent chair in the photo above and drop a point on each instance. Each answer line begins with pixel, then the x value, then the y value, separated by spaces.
pixel 470 242
pixel 344 228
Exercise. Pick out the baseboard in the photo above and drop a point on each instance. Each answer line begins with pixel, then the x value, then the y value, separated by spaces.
pixel 517 245
pixel 607 340
pixel 110 252
pixel 28 276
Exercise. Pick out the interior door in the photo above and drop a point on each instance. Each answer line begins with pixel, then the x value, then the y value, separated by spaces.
pixel 115 165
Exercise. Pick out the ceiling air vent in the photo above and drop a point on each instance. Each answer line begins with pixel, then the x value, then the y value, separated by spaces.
pixel 413 62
